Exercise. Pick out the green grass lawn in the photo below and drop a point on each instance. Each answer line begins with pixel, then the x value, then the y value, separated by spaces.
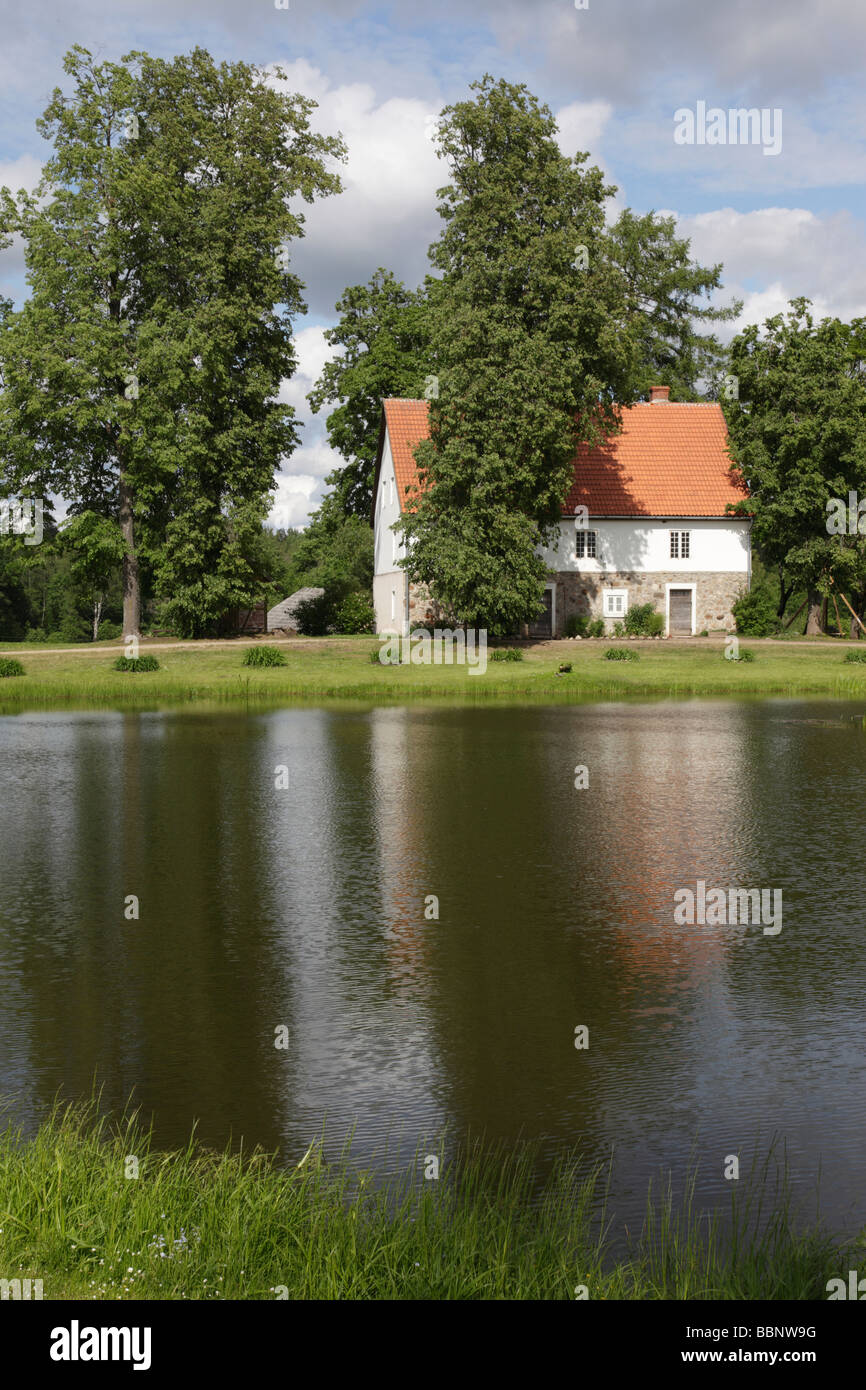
pixel 340 668
pixel 194 1224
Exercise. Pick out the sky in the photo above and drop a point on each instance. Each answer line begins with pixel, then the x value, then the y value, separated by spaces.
pixel 786 215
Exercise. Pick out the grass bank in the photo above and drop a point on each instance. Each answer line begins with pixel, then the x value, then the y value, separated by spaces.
pixel 201 1225
pixel 340 668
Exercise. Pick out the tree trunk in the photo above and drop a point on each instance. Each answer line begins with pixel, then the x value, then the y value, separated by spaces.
pixel 785 593
pixel 97 614
pixel 131 583
pixel 813 621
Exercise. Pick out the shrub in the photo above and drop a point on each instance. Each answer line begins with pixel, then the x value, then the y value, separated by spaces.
pixel 107 631
pixel 856 654
pixel 564 668
pixel 264 656
pixel 506 654
pixel 55 637
pixel 755 613
pixel 595 628
pixel 75 629
pixel 744 655
pixel 10 667
pixel 315 616
pixel 621 654
pixel 576 626
pixel 354 613
pixel 36 634
pixel 643 621
pixel 136 663
pixel 704 633
pixel 618 630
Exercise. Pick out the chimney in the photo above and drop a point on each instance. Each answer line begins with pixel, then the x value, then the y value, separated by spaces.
pixel 659 394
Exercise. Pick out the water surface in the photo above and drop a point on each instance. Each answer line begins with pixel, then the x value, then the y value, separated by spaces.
pixel 263 906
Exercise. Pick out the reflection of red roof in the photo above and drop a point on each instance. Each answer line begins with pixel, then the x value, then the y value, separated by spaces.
pixel 670 460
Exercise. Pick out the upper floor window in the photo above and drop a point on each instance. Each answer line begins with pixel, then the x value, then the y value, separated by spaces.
pixel 585 545
pixel 679 545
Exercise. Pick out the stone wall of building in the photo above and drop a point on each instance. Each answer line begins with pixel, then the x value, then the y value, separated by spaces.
pixel 422 608
pixel 581 594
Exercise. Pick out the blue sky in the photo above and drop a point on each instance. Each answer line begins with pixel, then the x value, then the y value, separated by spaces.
pixel 614 73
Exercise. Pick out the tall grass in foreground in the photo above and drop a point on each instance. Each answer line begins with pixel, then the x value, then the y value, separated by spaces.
pixel 197 1224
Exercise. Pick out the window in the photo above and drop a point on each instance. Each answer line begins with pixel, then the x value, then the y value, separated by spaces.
pixel 679 545
pixel 615 603
pixel 585 545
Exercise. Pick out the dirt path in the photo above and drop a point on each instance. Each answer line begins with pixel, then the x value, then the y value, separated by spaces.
pixel 148 644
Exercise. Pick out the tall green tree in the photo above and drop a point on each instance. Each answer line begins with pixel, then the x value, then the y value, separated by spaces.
pixel 97 548
pixel 335 551
pixel 668 297
pixel 141 376
pixel 532 346
pixel 798 433
pixel 384 350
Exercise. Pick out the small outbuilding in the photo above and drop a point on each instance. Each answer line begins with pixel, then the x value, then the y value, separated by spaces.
pixel 282 615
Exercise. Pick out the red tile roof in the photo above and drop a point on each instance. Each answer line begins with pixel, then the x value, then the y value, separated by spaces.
pixel 407 423
pixel 669 460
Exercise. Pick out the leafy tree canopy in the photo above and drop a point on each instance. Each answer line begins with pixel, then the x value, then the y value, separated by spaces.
pixel 141 377
pixel 798 433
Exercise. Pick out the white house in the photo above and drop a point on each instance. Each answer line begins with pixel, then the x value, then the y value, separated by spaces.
pixel 644 521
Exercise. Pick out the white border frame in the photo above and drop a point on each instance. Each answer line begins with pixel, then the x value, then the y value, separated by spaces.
pixel 552 587
pixel 614 617
pixel 675 585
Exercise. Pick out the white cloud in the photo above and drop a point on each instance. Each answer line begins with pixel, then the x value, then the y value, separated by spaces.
pixel 312 353
pixel 23 172
pixel 293 501
pixel 775 254
pixel 581 125
pixel 386 212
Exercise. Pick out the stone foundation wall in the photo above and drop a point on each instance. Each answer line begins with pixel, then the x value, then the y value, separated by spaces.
pixel 424 609
pixel 581 594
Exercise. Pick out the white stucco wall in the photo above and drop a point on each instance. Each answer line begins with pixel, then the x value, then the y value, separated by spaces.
pixel 716 545
pixel 388 546
pixel 389 582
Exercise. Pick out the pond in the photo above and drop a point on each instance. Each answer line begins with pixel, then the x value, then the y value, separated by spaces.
pixel 433 912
